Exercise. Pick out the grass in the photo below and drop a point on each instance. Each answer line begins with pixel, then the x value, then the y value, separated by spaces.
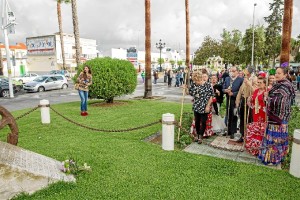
pixel 125 167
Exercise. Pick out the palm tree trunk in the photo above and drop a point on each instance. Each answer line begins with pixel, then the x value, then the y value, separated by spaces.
pixel 1 63
pixel 61 34
pixel 148 84
pixel 76 31
pixel 286 31
pixel 187 59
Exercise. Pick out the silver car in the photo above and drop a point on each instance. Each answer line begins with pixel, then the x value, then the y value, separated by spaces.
pixel 47 82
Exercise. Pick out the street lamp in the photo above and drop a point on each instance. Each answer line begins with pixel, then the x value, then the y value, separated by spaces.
pixel 8 26
pixel 252 55
pixel 160 46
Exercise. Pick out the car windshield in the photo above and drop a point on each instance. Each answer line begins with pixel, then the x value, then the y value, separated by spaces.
pixel 40 79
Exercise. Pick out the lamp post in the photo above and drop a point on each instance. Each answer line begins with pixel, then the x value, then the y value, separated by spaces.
pixel 160 46
pixel 252 55
pixel 8 23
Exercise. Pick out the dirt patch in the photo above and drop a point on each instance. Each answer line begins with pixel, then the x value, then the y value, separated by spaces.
pixel 114 104
pixel 156 138
pixel 150 98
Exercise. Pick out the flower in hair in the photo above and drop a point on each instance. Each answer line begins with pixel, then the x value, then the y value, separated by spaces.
pixel 285 64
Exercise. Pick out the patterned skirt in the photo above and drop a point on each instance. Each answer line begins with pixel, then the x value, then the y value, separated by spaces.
pixel 254 136
pixel 275 145
pixel 208 131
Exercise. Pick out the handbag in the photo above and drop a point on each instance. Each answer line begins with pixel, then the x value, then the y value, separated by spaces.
pixel 76 86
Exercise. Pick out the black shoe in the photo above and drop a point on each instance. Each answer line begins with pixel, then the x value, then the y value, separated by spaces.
pixel 231 136
pixel 240 140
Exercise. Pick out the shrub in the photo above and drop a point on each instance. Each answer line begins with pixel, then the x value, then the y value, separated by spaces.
pixel 111 78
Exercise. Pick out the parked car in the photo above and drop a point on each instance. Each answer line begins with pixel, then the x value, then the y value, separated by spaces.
pixel 47 82
pixel 4 88
pixel 26 78
pixel 62 72
pixel 18 84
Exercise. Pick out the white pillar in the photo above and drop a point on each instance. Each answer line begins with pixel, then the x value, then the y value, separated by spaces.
pixel 295 158
pixel 168 131
pixel 45 111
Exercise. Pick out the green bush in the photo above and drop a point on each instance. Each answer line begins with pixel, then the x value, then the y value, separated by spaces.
pixel 111 78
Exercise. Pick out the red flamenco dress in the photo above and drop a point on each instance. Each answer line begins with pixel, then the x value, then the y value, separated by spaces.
pixel 256 130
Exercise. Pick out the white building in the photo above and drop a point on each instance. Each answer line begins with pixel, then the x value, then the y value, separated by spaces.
pixel 45 54
pixel 18 56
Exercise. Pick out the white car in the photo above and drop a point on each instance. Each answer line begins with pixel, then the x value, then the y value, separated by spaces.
pixel 26 78
pixel 47 82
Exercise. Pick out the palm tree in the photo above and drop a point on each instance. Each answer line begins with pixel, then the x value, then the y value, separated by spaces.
pixel 286 31
pixel 148 84
pixel 187 58
pixel 61 30
pixel 76 31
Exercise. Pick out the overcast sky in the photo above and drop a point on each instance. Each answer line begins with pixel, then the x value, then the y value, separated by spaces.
pixel 120 23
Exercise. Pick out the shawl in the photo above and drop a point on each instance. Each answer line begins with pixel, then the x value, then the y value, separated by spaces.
pixel 281 97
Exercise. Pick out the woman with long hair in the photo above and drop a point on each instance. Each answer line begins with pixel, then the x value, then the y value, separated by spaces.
pixel 84 80
pixel 275 143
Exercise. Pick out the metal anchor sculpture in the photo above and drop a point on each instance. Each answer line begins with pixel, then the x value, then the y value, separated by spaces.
pixel 8 119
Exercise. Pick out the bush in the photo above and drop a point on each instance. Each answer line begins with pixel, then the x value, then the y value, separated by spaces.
pixel 111 78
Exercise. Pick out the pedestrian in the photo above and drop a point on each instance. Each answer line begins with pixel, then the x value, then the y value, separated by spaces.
pixel 170 76
pixel 218 125
pixel 84 80
pixel 177 76
pixel 202 93
pixel 231 87
pixel 155 76
pixel 181 77
pixel 143 76
pixel 275 144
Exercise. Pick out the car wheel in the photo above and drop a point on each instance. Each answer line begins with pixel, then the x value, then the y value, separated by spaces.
pixel 5 93
pixel 64 86
pixel 41 89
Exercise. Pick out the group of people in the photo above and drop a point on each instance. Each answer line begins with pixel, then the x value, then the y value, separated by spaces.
pixel 259 107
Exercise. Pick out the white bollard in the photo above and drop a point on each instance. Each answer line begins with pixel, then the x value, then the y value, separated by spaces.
pixel 295 158
pixel 168 131
pixel 45 111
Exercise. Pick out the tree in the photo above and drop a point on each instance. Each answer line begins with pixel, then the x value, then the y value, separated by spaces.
pixel 208 48
pixel 179 62
pixel 286 31
pixel 230 46
pixel 273 30
pixel 76 31
pixel 148 84
pixel 172 62
pixel 259 45
pixel 58 6
pixel 111 78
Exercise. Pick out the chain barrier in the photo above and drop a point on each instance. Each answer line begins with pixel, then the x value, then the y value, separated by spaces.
pixel 104 130
pixel 27 113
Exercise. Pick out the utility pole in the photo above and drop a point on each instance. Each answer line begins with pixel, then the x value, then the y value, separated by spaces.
pixel 148 84
pixel 8 23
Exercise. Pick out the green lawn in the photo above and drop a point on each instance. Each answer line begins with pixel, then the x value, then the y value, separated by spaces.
pixel 125 167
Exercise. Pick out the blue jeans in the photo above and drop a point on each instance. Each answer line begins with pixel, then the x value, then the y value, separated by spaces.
pixel 83 97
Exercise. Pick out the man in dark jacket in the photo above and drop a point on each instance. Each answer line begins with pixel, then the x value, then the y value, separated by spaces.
pixel 231 88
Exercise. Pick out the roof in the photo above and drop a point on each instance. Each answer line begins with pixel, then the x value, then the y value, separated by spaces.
pixel 17 46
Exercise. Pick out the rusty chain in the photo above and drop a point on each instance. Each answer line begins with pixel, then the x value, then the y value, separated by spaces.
pixel 27 113
pixel 104 130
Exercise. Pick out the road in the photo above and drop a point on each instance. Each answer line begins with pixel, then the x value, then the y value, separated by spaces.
pixel 24 100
